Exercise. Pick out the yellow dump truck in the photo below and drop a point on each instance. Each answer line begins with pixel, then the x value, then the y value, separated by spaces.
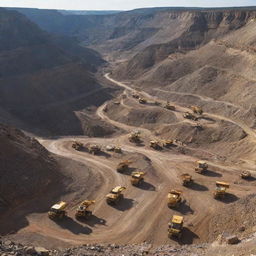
pixel 134 137
pixel 82 210
pixel 245 175
pixel 115 195
pixel 137 178
pixel 94 149
pixel 197 110
pixel 174 198
pixel 57 211
pixel 186 179
pixel 142 101
pixel 168 143
pixel 169 106
pixel 135 95
pixel 155 144
pixel 77 145
pixel 115 149
pixel 123 166
pixel 175 226
pixel 201 166
pixel 220 189
pixel 189 115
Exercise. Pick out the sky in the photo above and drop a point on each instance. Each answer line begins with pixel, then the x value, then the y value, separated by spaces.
pixel 120 4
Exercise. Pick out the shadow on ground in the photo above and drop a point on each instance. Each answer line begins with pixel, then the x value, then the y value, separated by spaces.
pixel 73 226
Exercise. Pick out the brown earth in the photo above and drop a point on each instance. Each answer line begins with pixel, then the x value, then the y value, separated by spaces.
pixel 215 74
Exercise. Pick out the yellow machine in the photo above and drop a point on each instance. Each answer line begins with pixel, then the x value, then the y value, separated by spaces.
pixel 123 166
pixel 188 115
pixel 186 179
pixel 168 143
pixel 201 167
pixel 197 110
pixel 94 149
pixel 142 101
pixel 77 145
pixel 115 149
pixel 245 175
pixel 169 106
pixel 57 211
pixel 220 189
pixel 134 137
pixel 137 178
pixel 175 226
pixel 115 195
pixel 174 198
pixel 82 210
pixel 155 144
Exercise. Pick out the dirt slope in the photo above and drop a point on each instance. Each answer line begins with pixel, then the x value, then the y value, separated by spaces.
pixel 36 71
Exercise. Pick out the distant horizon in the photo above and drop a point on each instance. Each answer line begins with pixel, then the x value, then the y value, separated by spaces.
pixel 125 10
pixel 122 5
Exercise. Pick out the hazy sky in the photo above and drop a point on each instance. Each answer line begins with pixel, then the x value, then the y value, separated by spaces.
pixel 119 4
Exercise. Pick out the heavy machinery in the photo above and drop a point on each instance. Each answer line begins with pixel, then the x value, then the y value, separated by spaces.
pixel 115 149
pixel 197 110
pixel 82 210
pixel 175 226
pixel 123 166
pixel 142 101
pixel 189 115
pixel 137 178
pixel 57 211
pixel 201 167
pixel 115 195
pixel 134 137
pixel 220 189
pixel 186 179
pixel 245 175
pixel 135 95
pixel 94 149
pixel 168 143
pixel 77 145
pixel 174 198
pixel 155 144
pixel 169 106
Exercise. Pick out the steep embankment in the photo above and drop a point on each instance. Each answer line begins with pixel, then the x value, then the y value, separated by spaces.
pixel 28 173
pixel 38 73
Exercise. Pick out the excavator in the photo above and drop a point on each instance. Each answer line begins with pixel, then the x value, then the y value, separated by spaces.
pixel 137 178
pixel 82 210
pixel 155 144
pixel 94 149
pixel 197 110
pixel 134 137
pixel 186 179
pixel 169 106
pixel 174 198
pixel 245 175
pixel 115 195
pixel 201 167
pixel 220 189
pixel 123 166
pixel 77 145
pixel 189 115
pixel 57 211
pixel 175 226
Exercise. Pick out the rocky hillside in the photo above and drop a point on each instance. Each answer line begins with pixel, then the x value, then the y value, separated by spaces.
pixel 44 78
pixel 28 172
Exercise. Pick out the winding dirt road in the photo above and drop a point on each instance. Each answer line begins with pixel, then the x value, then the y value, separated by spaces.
pixel 143 215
